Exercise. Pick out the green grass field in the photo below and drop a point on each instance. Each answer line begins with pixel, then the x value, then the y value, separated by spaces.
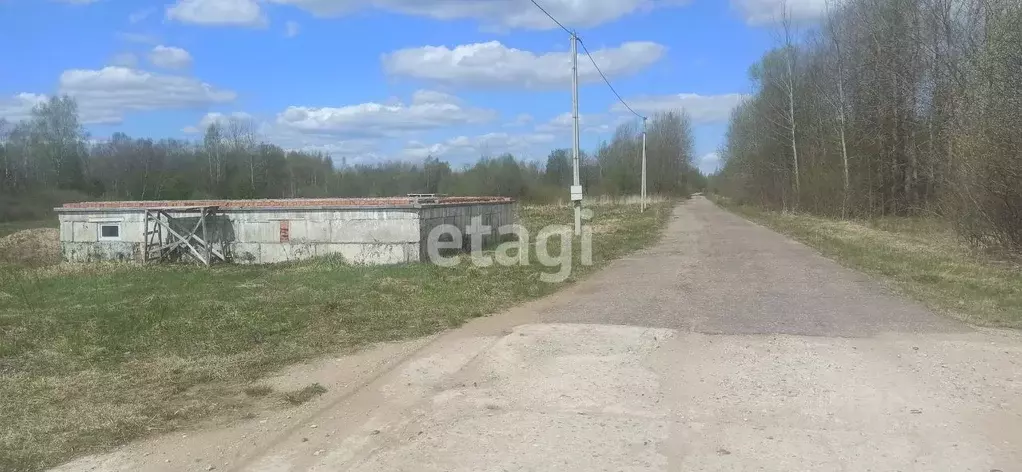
pixel 96 355
pixel 921 257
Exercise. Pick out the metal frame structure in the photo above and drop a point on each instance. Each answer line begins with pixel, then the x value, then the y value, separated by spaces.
pixel 164 243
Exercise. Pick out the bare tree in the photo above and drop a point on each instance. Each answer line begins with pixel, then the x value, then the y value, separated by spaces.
pixel 4 153
pixel 242 138
pixel 213 143
pixel 834 32
pixel 904 107
pixel 790 54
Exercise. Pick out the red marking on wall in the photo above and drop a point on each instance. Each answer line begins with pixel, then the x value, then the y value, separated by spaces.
pixel 285 231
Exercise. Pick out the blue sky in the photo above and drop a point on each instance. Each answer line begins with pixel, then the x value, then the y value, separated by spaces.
pixel 385 79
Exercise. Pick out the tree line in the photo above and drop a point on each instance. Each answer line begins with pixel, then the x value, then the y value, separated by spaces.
pixel 889 107
pixel 48 158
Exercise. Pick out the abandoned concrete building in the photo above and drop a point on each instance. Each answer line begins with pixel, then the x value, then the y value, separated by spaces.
pixel 372 231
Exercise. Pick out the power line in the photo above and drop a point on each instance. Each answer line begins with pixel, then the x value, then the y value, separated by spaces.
pixel 584 48
pixel 552 17
pixel 576 189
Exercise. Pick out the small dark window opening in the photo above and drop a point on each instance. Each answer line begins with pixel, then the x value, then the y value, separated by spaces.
pixel 110 231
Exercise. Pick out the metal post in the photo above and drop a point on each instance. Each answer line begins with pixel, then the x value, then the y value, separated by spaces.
pixel 576 190
pixel 643 197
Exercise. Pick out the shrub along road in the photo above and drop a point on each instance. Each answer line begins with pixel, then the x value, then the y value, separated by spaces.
pixel 724 347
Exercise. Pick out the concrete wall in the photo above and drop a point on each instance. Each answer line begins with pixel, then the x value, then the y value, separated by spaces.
pixel 382 236
pixel 80 241
pixel 493 215
pixel 258 236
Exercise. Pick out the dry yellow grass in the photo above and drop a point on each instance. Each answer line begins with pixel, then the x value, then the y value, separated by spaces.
pixel 34 247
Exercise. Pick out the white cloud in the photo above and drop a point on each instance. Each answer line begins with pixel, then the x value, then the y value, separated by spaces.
pixel 560 123
pixel 465 147
pixel 498 13
pixel 598 123
pixel 169 57
pixel 708 163
pixel 494 65
pixel 428 110
pixel 521 120
pixel 124 59
pixel 138 38
pixel 217 12
pixel 105 95
pixel 140 15
pixel 216 117
pixel 19 106
pixel 356 150
pixel 761 12
pixel 701 108
pixel 425 97
pixel 292 28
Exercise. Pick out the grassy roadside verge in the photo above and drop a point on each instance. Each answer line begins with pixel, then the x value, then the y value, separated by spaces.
pixel 96 355
pixel 7 228
pixel 918 256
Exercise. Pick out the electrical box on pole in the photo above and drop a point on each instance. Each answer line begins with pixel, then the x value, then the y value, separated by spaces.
pixel 576 193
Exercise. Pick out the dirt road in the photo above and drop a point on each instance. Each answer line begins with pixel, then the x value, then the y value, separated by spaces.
pixel 725 347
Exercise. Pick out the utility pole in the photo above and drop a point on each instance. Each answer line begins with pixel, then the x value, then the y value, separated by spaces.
pixel 643 197
pixel 576 189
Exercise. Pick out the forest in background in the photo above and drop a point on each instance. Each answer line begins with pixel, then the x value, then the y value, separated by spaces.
pixel 48 159
pixel 889 107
